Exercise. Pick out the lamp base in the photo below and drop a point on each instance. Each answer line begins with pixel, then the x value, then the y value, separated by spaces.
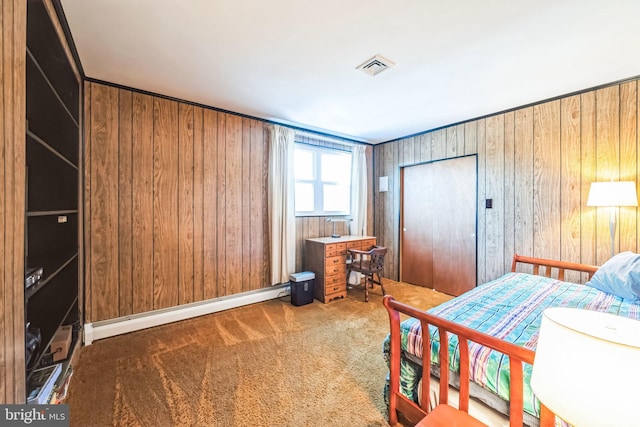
pixel 335 236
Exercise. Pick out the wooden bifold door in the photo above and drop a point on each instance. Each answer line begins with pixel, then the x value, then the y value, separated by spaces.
pixel 438 231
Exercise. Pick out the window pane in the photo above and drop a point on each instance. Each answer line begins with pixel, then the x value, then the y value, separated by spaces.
pixel 304 197
pixel 336 198
pixel 303 164
pixel 336 167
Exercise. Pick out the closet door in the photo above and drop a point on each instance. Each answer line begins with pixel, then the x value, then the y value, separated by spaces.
pixel 438 237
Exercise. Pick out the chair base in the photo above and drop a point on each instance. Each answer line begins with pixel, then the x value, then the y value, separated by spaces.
pixel 369 281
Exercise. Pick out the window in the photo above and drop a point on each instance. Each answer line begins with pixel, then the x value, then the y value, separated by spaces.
pixel 323 181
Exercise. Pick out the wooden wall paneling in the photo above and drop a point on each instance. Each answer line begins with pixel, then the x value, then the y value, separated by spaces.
pixel 104 202
pixel 481 235
pixel 143 179
pixel 258 190
pixel 524 181
pixel 393 253
pixel 210 179
pixel 588 175
pixel 637 170
pixel 494 174
pixel 391 163
pixel 607 161
pixel 165 203
pixel 246 253
pixel 221 191
pixel 300 243
pixel 546 220
pixel 198 205
pixel 233 204
pixel 455 141
pixel 509 181
pixel 439 144
pixel 425 148
pixel 12 201
pixel 408 151
pixel 370 190
pixel 470 138
pixel 87 201
pixel 378 218
pixel 570 185
pixel 186 219
pixel 125 203
pixel 627 223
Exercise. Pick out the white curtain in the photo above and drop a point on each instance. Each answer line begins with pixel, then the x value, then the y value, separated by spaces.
pixel 358 225
pixel 282 219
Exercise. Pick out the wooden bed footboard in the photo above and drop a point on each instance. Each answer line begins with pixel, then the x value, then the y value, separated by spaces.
pixel 398 402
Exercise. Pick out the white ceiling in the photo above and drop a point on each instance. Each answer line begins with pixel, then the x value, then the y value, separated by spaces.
pixel 293 61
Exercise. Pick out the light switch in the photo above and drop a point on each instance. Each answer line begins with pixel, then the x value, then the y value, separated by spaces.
pixel 384 184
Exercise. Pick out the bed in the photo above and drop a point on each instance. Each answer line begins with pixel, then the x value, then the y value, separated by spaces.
pixel 508 308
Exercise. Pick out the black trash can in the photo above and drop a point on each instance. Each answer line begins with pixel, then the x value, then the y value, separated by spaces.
pixel 302 287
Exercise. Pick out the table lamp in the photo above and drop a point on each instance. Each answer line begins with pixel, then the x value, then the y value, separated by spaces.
pixel 587 367
pixel 612 194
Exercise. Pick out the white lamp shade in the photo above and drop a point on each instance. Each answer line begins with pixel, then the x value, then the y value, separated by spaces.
pixel 620 193
pixel 587 367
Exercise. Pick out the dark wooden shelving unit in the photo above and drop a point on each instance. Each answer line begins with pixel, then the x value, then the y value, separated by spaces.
pixel 52 216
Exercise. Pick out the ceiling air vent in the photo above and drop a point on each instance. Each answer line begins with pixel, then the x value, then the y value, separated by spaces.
pixel 375 65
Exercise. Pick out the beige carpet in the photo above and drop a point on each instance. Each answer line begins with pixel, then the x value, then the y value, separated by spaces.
pixel 268 364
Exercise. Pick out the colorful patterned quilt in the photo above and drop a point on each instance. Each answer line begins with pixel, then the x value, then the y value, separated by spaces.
pixel 509 308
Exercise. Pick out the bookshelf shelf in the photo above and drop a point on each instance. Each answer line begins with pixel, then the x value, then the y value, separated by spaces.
pixel 52 171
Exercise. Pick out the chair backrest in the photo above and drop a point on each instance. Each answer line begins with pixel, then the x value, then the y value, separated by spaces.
pixel 377 258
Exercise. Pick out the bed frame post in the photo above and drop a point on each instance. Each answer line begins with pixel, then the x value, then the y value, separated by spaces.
pixel 394 360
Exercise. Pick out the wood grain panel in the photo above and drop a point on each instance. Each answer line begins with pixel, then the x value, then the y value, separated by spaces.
pixel 198 205
pixel 607 161
pixel 546 184
pixel 233 205
pixel 257 182
pixel 221 223
pixel 87 201
pixel 570 185
pixel 125 202
pixel 627 222
pixel 165 207
pixel 142 203
pixel 425 148
pixel 588 175
pixel 494 189
pixel 185 204
pixel 481 132
pixel 439 144
pixel 104 202
pixel 12 204
pixel 246 253
pixel 523 181
pixel 508 181
pixel 210 179
pixel 390 230
pixel 470 138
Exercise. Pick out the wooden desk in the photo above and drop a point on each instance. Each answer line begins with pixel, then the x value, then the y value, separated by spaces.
pixel 327 257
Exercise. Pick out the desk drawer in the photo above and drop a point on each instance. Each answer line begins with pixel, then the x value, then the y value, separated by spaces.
pixel 335 279
pixel 335 269
pixel 354 245
pixel 335 260
pixel 338 287
pixel 366 244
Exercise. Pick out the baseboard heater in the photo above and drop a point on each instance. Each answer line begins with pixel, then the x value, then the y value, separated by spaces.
pixel 122 325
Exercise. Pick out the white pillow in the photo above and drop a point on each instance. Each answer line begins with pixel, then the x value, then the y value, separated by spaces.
pixel 619 276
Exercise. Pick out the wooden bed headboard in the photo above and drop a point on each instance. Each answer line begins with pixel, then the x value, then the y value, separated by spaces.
pixel 548 265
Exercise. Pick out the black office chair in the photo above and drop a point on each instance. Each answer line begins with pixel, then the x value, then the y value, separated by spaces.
pixel 368 263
